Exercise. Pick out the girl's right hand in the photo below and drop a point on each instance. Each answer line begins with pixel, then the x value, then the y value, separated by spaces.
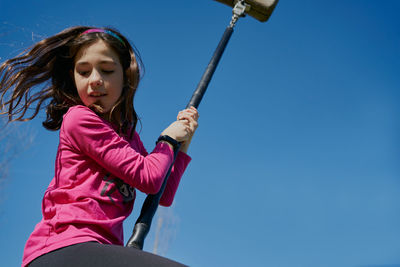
pixel 179 130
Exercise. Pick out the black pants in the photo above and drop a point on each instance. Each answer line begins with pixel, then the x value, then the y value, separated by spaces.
pixel 94 254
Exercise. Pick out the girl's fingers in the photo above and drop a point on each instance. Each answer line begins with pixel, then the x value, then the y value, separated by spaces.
pixel 188 119
pixel 192 112
pixel 185 117
pixel 189 123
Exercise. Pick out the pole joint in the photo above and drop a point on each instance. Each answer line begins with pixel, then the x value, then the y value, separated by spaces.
pixel 238 11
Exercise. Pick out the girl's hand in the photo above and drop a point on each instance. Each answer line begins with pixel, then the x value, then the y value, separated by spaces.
pixel 184 128
pixel 191 115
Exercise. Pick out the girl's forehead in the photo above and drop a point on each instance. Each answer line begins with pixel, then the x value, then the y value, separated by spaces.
pixel 96 51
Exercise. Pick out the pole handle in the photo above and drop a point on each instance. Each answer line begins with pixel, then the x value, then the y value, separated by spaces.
pixel 149 208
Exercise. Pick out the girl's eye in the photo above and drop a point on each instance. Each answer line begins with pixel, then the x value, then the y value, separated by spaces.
pixel 108 71
pixel 83 73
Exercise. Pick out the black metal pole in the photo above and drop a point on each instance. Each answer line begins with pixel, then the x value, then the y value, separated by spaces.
pixel 143 223
pixel 208 73
pixel 149 208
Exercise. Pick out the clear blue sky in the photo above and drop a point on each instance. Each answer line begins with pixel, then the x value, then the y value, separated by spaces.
pixel 296 159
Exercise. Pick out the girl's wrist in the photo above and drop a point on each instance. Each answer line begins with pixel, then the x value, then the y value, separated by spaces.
pixel 185 146
pixel 184 149
pixel 174 144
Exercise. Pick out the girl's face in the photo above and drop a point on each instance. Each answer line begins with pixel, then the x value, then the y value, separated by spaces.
pixel 98 76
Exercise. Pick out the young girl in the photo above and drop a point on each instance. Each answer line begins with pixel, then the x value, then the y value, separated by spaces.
pixel 90 77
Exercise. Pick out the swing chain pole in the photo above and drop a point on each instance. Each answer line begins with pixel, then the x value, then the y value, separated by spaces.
pixel 150 205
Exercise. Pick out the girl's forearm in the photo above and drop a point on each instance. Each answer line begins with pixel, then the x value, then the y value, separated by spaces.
pixel 185 146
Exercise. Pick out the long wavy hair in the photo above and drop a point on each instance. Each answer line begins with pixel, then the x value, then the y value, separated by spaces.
pixel 40 76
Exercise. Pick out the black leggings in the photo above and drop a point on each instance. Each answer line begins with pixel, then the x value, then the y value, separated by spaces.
pixel 94 254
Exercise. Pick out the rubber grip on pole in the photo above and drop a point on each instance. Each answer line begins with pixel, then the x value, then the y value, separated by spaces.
pixel 149 208
pixel 139 233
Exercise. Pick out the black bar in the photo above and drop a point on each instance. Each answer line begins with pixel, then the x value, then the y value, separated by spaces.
pixel 150 205
pixel 208 73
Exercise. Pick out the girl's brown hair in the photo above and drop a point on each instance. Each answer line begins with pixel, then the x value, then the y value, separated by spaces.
pixel 49 62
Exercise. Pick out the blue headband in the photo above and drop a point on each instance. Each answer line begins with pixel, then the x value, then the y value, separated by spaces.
pixel 104 31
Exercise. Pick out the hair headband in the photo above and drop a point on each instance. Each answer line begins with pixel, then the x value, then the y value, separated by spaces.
pixel 104 31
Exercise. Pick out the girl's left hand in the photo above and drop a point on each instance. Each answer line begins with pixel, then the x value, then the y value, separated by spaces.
pixel 191 115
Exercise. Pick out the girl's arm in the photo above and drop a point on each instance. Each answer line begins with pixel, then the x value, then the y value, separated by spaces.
pixel 189 117
pixel 177 171
pixel 88 134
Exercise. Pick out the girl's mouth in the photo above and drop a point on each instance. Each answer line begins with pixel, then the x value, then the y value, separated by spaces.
pixel 97 95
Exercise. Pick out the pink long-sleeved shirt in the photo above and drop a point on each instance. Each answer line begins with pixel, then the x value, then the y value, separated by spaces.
pixel 93 190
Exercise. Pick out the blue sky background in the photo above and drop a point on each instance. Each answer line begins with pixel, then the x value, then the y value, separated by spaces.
pixel 296 159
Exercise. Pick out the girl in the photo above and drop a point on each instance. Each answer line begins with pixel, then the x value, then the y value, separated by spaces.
pixel 92 75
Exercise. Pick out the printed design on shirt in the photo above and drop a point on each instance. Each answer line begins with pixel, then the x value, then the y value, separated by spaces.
pixel 127 191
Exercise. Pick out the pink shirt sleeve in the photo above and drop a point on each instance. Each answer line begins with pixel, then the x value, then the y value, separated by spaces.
pixel 181 162
pixel 94 137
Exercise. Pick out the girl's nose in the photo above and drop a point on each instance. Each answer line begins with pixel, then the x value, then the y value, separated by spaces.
pixel 96 80
pixel 96 83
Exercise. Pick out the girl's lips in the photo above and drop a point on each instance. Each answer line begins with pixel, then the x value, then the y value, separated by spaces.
pixel 97 95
